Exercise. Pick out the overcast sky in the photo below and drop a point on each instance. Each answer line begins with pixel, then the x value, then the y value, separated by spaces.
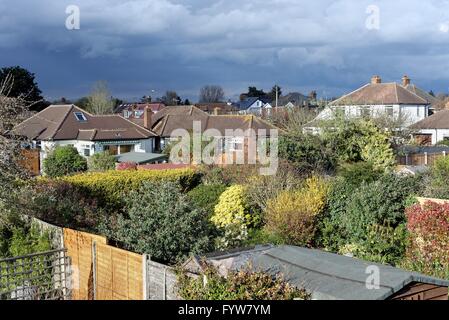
pixel 143 45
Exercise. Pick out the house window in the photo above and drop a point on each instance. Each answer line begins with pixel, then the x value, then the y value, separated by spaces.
pixel 80 116
pixel 86 152
pixel 417 111
pixel 235 144
pixel 365 112
pixel 389 111
pixel 138 113
pixel 127 113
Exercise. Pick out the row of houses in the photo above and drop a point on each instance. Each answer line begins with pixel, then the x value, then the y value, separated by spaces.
pixel 141 137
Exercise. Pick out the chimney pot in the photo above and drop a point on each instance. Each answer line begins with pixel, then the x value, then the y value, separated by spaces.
pixel 405 81
pixel 376 80
pixel 216 111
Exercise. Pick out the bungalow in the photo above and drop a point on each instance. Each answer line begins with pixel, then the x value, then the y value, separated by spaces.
pixel 182 117
pixel 61 125
pixel 434 129
pixel 327 276
pixel 377 98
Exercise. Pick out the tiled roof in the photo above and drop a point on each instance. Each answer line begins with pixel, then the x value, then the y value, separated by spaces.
pixel 59 122
pixel 439 120
pixel 380 94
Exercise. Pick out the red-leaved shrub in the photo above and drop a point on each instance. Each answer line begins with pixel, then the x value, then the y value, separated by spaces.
pixel 126 166
pixel 428 225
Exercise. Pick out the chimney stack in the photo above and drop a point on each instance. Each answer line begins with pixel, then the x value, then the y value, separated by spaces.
pixel 216 111
pixel 147 114
pixel 405 81
pixel 376 80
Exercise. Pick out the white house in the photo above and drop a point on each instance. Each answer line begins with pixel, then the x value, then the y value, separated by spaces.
pixel 377 98
pixel 61 125
pixel 254 105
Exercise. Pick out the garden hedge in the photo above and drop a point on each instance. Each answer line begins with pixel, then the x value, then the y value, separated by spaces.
pixel 111 186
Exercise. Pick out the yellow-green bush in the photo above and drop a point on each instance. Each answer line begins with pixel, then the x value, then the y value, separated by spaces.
pixel 292 214
pixel 110 186
pixel 232 208
pixel 233 216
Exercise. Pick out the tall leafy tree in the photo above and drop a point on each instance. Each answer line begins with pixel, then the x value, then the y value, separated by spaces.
pixel 22 84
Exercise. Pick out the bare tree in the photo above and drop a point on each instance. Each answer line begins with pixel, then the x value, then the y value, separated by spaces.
pixel 171 98
pixel 100 100
pixel 13 110
pixel 211 93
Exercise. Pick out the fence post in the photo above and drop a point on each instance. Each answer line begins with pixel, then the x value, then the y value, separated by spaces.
pixel 406 159
pixel 145 275
pixel 444 153
pixel 164 291
pixel 425 158
pixel 94 267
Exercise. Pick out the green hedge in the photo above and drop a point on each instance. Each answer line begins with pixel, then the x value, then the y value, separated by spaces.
pixel 111 186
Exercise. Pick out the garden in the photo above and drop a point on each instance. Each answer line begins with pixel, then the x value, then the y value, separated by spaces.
pixel 337 191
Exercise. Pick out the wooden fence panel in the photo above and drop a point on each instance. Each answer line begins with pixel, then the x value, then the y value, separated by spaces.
pixel 118 274
pixel 79 249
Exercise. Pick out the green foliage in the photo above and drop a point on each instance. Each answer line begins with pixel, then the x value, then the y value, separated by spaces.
pixel 307 153
pixel 356 173
pixel 367 217
pixel 382 244
pixel 380 202
pixel 23 83
pixel 101 161
pixel 354 140
pixel 110 187
pixel 64 160
pixel 205 196
pixel 20 238
pixel 161 222
pixel 60 203
pixel 238 285
pixel 438 179
pixel 29 241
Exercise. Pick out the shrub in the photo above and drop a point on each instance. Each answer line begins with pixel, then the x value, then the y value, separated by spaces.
pixel 356 173
pixel 111 187
pixel 292 214
pixel 238 285
pixel 359 140
pixel 382 244
pixel 261 189
pixel 233 216
pixel 126 166
pixel 438 177
pixel 63 161
pixel 307 153
pixel 22 238
pixel 28 241
pixel 60 203
pixel 206 197
pixel 227 175
pixel 101 161
pixel 233 208
pixel 160 221
pixel 381 202
pixel 429 238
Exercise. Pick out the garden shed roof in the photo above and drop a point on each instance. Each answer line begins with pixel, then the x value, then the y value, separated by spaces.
pixel 325 275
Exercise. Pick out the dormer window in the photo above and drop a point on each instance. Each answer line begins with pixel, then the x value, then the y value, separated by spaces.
pixel 80 116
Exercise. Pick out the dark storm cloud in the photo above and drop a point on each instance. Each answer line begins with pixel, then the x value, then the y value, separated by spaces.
pixel 144 45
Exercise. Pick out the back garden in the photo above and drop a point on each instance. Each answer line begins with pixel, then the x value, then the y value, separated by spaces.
pixel 337 191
